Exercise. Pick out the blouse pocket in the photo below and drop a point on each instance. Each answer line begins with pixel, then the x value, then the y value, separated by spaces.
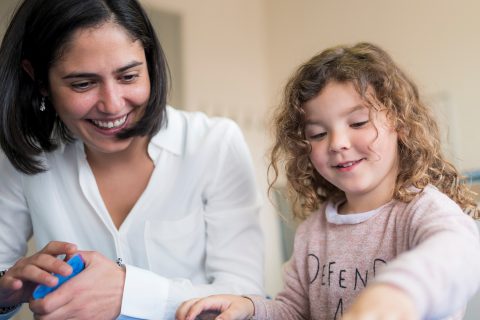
pixel 176 248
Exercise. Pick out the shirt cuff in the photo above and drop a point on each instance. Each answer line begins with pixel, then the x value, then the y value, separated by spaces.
pixel 259 307
pixel 144 295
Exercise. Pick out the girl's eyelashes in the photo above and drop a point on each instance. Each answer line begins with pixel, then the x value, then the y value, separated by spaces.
pixel 317 136
pixel 359 124
pixel 320 135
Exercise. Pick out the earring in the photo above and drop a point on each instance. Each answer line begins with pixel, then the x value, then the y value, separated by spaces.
pixel 42 104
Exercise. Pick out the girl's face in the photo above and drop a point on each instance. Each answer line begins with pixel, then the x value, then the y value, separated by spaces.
pixel 100 86
pixel 353 147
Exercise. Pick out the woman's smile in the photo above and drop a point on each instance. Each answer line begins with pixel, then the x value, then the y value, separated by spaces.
pixel 100 86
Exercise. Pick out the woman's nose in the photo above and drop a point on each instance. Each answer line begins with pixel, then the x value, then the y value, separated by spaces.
pixel 111 99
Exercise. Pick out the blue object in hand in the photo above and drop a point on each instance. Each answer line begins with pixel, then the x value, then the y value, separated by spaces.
pixel 77 264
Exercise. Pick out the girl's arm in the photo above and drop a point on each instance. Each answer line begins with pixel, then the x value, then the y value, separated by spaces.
pixel 382 301
pixel 290 304
pixel 439 270
pixel 230 307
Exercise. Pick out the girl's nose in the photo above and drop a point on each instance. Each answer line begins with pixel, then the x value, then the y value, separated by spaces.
pixel 339 141
pixel 111 99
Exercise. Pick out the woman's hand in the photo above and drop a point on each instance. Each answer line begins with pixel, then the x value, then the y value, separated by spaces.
pixel 95 293
pixel 381 301
pixel 18 283
pixel 231 307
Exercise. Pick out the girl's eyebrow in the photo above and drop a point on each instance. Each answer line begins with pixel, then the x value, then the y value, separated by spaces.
pixel 93 75
pixel 343 114
pixel 353 109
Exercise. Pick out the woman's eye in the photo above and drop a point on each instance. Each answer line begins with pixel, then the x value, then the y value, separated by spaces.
pixel 129 77
pixel 84 85
pixel 359 124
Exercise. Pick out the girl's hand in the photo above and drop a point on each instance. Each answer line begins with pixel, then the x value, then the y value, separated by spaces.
pixel 381 301
pixel 95 293
pixel 231 307
pixel 18 283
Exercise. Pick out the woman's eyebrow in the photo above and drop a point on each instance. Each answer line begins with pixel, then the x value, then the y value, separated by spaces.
pixel 93 75
pixel 128 66
pixel 80 75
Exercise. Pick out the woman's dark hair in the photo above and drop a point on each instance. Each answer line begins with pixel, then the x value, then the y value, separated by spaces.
pixel 38 33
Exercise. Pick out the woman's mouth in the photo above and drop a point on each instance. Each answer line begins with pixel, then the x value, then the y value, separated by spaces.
pixel 110 124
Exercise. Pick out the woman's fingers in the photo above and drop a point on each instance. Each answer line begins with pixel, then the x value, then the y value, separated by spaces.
pixel 10 283
pixel 94 293
pixel 18 283
pixel 39 269
pixel 56 248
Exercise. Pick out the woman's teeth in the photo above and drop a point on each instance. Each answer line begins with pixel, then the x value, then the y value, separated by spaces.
pixel 110 124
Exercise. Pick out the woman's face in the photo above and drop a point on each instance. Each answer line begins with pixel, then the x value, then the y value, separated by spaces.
pixel 100 85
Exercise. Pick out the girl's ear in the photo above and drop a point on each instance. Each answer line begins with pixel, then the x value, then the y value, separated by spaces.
pixel 402 133
pixel 28 68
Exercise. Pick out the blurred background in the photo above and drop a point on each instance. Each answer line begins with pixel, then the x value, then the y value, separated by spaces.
pixel 232 58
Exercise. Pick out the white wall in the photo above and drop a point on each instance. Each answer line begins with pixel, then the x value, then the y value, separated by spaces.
pixel 436 42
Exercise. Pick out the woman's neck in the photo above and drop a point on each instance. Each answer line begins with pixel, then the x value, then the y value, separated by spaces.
pixel 136 151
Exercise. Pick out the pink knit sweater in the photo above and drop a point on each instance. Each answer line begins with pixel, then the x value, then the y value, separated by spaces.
pixel 427 247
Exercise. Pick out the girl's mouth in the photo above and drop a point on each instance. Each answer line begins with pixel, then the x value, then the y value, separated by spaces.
pixel 347 166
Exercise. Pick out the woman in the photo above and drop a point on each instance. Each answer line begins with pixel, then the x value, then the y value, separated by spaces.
pixel 95 162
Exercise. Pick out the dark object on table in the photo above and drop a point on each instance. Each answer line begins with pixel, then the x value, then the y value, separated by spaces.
pixel 207 315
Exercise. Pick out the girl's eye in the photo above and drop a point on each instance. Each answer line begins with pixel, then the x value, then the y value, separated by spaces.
pixel 82 86
pixel 317 136
pixel 359 124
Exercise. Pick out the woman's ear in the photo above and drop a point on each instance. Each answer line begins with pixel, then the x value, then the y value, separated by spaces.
pixel 28 68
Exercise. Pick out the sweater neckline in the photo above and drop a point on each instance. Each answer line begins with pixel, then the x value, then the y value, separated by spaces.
pixel 332 215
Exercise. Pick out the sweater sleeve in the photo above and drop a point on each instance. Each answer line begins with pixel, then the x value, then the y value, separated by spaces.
pixel 439 269
pixel 293 302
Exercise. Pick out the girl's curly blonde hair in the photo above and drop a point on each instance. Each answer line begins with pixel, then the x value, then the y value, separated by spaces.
pixel 366 66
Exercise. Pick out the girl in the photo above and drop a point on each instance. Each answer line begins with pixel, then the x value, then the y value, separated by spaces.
pixel 383 207
pixel 93 159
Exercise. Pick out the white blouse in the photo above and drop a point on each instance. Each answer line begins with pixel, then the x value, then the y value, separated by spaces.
pixel 194 231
